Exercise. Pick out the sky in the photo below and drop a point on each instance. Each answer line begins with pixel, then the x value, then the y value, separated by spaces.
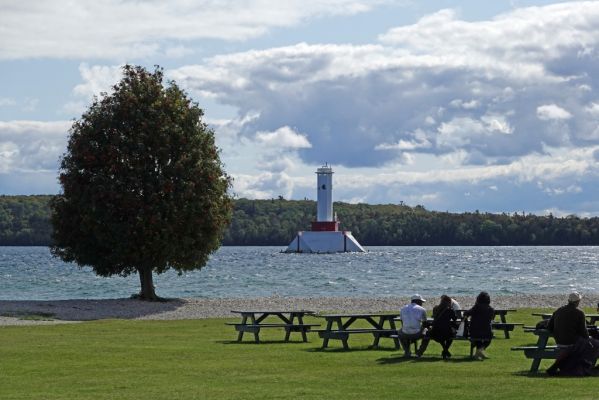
pixel 454 105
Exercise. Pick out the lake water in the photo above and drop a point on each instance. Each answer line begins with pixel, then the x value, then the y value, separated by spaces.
pixel 31 273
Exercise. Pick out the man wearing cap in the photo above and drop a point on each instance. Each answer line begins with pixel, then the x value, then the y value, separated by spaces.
pixel 568 325
pixel 412 316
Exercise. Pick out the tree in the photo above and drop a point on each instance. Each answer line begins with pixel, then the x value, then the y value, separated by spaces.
pixel 143 187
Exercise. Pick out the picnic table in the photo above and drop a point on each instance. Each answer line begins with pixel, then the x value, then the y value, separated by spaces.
pixel 502 324
pixel 591 318
pixel 541 350
pixel 338 327
pixel 253 322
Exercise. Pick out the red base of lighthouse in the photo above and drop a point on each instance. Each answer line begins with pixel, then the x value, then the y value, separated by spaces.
pixel 325 226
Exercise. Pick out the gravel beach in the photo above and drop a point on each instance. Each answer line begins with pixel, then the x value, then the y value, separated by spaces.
pixel 65 311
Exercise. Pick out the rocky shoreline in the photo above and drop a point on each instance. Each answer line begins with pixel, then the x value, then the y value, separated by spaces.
pixel 37 312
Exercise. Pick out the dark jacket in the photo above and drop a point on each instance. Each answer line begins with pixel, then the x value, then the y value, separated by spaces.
pixel 443 323
pixel 481 316
pixel 567 324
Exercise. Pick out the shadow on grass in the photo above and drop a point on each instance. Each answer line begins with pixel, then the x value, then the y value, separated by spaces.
pixel 543 375
pixel 251 342
pixel 88 310
pixel 350 350
pixel 399 359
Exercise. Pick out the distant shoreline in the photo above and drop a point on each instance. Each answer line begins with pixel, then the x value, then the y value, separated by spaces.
pixel 198 308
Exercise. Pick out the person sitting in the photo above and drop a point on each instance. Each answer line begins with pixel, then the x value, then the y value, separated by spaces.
pixel 455 306
pixel 481 315
pixel 443 329
pixel 413 317
pixel 568 325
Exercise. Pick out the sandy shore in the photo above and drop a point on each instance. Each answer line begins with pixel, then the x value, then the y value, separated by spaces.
pixel 64 311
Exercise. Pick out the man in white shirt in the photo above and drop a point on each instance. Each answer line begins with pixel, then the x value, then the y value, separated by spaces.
pixel 412 318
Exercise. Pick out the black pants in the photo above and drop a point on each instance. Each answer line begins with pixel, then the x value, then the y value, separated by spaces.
pixel 481 343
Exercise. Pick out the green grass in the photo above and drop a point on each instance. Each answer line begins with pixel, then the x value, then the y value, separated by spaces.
pixel 198 359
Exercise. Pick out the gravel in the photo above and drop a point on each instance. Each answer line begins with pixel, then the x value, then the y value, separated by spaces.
pixel 64 311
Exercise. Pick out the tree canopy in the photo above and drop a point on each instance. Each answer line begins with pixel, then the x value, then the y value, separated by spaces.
pixel 143 187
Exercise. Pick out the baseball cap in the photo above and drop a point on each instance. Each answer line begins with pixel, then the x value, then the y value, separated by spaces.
pixel 417 297
pixel 574 297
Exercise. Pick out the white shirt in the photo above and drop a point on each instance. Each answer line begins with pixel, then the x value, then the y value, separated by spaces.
pixel 412 317
pixel 455 306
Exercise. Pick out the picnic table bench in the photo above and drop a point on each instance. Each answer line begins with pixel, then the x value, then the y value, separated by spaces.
pixel 338 327
pixel 541 350
pixel 252 322
pixel 502 324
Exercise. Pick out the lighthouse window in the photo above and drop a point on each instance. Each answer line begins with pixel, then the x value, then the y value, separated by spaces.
pixel 323 187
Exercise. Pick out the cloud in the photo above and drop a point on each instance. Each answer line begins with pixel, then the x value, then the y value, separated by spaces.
pixel 477 87
pixel 283 137
pixel 552 112
pixel 32 146
pixel 6 102
pixel 133 29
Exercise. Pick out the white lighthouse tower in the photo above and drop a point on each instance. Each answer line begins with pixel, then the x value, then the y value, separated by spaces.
pixel 325 236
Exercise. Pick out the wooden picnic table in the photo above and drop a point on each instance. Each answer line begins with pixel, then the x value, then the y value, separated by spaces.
pixel 253 321
pixel 502 324
pixel 591 318
pixel 541 350
pixel 338 327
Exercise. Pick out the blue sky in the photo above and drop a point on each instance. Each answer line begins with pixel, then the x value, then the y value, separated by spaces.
pixel 454 105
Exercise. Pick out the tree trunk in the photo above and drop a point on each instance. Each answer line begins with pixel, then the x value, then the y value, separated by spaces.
pixel 147 284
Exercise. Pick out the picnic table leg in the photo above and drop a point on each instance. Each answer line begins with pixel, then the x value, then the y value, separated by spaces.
pixel 257 332
pixel 342 327
pixel 288 328
pixel 377 335
pixel 243 322
pixel 536 362
pixel 395 340
pixel 325 340
pixel 301 321
pixel 505 331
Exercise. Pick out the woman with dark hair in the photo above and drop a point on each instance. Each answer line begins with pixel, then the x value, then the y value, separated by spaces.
pixel 443 329
pixel 481 315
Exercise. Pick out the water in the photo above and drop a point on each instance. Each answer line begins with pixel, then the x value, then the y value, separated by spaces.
pixel 31 273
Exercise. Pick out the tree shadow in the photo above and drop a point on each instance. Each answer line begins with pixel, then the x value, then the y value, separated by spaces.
pixel 89 310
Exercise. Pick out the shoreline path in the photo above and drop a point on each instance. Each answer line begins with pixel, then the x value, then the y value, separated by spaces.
pixel 15 312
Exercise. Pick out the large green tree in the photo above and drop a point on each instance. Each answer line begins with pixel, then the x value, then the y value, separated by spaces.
pixel 143 187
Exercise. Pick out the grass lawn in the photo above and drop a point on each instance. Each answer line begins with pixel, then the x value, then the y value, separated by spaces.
pixel 198 359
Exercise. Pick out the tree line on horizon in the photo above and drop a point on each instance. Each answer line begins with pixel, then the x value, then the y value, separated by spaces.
pixel 25 221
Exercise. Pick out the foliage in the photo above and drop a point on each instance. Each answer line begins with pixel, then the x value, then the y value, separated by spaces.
pixel 197 359
pixel 276 221
pixel 143 187
pixel 25 220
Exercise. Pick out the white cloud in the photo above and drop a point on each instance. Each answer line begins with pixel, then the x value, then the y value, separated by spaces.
pixel 593 109
pixel 284 137
pixel 5 102
pixel 549 112
pixel 32 146
pixel 478 86
pixel 97 79
pixel 131 29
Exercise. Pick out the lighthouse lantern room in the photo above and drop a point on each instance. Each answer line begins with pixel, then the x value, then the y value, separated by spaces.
pixel 325 236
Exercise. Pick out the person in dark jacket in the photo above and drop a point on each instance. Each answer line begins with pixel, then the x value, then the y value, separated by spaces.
pixel 568 325
pixel 443 329
pixel 481 315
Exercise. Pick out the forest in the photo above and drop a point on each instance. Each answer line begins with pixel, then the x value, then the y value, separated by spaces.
pixel 24 221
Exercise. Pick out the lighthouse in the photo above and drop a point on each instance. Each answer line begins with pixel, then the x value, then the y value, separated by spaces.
pixel 325 236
